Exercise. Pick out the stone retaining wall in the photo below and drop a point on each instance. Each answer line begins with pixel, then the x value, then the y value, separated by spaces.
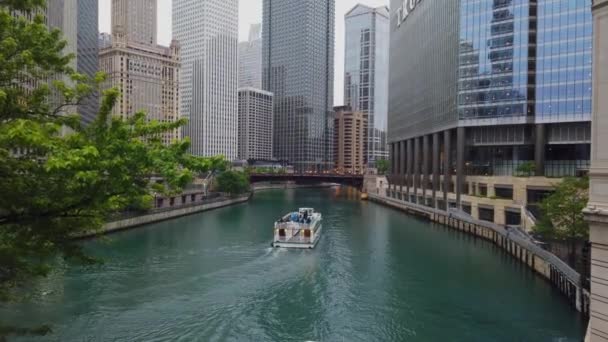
pixel 563 277
pixel 154 217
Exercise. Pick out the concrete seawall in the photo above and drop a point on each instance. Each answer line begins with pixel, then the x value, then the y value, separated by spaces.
pixel 175 212
pixel 550 267
pixel 154 217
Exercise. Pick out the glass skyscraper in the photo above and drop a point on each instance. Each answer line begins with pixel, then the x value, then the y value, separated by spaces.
pixel 366 74
pixel 87 57
pixel 487 88
pixel 526 62
pixel 298 61
pixel 250 59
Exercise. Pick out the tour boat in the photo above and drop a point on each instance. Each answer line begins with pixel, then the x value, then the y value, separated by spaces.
pixel 298 229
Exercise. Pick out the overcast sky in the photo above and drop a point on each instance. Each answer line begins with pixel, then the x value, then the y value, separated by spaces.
pixel 250 12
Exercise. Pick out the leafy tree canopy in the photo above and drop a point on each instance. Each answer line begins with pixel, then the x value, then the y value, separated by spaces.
pixel 232 182
pixel 526 169
pixel 382 165
pixel 59 178
pixel 563 211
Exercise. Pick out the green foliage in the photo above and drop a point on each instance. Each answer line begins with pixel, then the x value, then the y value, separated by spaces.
pixel 382 165
pixel 526 169
pixel 563 212
pixel 59 179
pixel 233 182
pixel 23 5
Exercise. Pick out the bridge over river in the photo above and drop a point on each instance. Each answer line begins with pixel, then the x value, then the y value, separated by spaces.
pixel 352 180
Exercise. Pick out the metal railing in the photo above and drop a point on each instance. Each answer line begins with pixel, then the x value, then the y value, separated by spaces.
pixel 213 198
pixel 524 241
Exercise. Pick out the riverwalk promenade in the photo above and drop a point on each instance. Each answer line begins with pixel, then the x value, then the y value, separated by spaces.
pixel 513 242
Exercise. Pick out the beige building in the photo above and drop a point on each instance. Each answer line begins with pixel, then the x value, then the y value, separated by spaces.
pixel 349 141
pixel 147 74
pixel 597 211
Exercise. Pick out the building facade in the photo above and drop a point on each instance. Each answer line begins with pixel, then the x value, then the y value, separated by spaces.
pixel 255 124
pixel 78 21
pixel 146 74
pixel 135 21
pixel 208 33
pixel 350 139
pixel 298 61
pixel 105 40
pixel 597 210
pixel 87 59
pixel 250 59
pixel 506 94
pixel 366 73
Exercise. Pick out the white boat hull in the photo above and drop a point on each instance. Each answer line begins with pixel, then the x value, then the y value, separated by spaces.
pixel 300 245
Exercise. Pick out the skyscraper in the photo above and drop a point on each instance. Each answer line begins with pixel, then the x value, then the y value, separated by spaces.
pixel 298 63
pixel 146 74
pixel 255 124
pixel 208 33
pixel 87 59
pixel 78 21
pixel 135 20
pixel 349 140
pixel 250 59
pixel 366 73
pixel 507 94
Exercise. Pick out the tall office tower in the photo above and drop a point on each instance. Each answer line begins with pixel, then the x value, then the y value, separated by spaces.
pixel 255 124
pixel 507 94
pixel 366 73
pixel 146 74
pixel 87 59
pixel 62 15
pixel 78 20
pixel 208 33
pixel 135 20
pixel 250 59
pixel 298 67
pixel 349 140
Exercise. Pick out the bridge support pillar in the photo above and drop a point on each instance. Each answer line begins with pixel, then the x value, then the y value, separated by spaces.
pixel 447 165
pixel 436 148
pixel 416 168
pixel 426 157
pixel 402 157
pixel 460 173
pixel 409 167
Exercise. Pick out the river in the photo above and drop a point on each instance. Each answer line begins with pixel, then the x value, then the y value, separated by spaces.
pixel 376 275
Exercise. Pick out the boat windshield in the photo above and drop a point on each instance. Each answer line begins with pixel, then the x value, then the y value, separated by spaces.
pixel 303 215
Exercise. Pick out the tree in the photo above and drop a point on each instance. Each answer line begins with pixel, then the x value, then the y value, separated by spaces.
pixel 382 165
pixel 563 213
pixel 56 185
pixel 233 182
pixel 526 169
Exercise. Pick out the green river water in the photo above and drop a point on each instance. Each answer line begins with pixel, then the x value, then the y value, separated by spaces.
pixel 376 275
